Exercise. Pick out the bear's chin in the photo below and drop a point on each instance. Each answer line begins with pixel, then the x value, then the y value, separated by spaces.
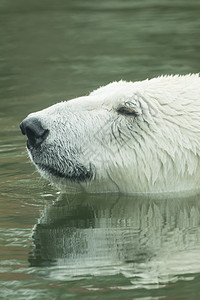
pixel 79 173
pixel 51 168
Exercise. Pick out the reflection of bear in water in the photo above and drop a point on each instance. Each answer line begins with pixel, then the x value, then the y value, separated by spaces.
pixel 144 237
pixel 125 137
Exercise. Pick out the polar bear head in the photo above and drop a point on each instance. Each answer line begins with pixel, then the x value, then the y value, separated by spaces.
pixel 124 137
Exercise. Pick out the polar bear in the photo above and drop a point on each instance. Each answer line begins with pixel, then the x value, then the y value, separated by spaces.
pixel 127 137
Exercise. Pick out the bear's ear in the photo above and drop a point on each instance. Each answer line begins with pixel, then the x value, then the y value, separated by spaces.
pixel 128 109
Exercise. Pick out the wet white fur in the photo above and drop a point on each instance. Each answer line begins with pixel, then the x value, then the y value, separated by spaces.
pixel 156 151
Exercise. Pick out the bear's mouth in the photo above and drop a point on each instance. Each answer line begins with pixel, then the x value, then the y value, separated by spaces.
pixel 79 174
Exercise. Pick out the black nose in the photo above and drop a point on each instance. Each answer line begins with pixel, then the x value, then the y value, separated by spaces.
pixel 36 134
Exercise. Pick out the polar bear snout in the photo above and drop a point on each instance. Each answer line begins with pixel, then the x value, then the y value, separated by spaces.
pixel 36 134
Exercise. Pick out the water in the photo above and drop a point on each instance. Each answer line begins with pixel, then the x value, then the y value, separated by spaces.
pixel 90 247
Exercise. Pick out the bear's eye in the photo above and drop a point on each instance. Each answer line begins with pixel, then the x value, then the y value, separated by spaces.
pixel 127 111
